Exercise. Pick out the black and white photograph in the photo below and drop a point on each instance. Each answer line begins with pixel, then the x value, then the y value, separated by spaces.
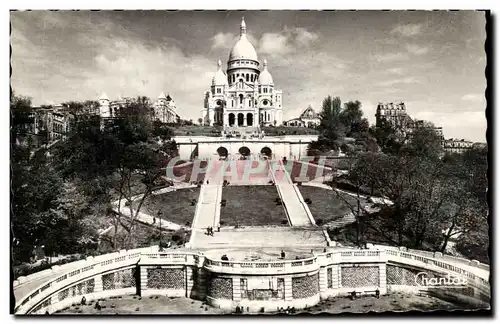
pixel 249 162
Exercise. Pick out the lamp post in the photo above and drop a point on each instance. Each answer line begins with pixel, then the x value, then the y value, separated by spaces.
pixel 159 217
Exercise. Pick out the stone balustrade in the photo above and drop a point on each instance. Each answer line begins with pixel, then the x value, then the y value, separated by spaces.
pixel 337 271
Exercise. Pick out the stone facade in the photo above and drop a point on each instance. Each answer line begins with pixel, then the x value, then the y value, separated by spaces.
pixel 297 283
pixel 243 95
pixel 305 286
pixel 457 146
pixel 119 279
pixel 308 118
pixel 360 276
pixel 164 108
pixel 165 278
pixel 220 288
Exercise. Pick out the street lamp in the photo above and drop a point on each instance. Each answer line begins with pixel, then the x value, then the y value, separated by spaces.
pixel 159 216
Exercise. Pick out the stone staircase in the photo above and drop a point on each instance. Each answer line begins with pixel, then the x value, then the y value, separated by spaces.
pixel 242 131
pixel 297 211
pixel 342 222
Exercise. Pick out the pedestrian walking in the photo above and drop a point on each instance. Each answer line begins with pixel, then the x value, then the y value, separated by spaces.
pixel 211 231
pixel 208 231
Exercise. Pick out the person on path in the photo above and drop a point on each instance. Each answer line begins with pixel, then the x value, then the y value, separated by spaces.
pixel 218 227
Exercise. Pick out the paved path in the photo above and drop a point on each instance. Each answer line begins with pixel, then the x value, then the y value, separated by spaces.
pixel 208 207
pixel 257 237
pixel 296 210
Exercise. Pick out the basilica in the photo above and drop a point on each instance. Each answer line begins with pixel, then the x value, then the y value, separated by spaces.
pixel 244 95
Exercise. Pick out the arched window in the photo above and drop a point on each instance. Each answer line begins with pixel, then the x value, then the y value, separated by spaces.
pixel 247 78
pixel 241 99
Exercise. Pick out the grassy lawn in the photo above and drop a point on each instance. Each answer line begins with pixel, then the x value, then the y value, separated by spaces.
pixel 197 130
pixel 251 206
pixel 326 204
pixel 283 130
pixel 175 206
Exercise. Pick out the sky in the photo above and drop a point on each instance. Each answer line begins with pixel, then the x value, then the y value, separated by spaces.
pixel 433 61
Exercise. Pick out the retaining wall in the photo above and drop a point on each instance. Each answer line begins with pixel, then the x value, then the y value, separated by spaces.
pixel 254 285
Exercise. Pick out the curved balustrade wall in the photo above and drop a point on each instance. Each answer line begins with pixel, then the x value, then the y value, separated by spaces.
pixel 253 285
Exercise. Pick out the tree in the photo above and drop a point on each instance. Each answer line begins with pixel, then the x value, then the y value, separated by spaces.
pixel 122 160
pixel 330 127
pixel 351 116
pixel 200 121
pixel 467 212
pixel 21 117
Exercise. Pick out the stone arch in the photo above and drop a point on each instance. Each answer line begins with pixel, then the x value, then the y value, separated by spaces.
pixel 241 117
pixel 222 151
pixel 231 119
pixel 266 151
pixel 249 119
pixel 245 151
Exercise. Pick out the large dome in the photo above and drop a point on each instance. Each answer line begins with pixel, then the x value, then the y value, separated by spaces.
pixel 243 49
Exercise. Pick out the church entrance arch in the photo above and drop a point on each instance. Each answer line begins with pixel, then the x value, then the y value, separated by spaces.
pixel 249 119
pixel 222 151
pixel 240 119
pixel 231 119
pixel 266 151
pixel 244 151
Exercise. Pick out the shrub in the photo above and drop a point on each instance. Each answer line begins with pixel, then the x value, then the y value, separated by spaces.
pixel 176 237
pixel 284 222
pixel 319 221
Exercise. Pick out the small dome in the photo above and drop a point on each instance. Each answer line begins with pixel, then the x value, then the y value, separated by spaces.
pixel 243 49
pixel 220 77
pixel 265 77
pixel 103 97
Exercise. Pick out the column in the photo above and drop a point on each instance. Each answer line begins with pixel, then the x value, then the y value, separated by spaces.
pixel 323 280
pixel 143 270
pixel 98 284
pixel 225 119
pixel 288 288
pixel 335 276
pixel 189 281
pixel 244 120
pixel 383 278
pixel 236 289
